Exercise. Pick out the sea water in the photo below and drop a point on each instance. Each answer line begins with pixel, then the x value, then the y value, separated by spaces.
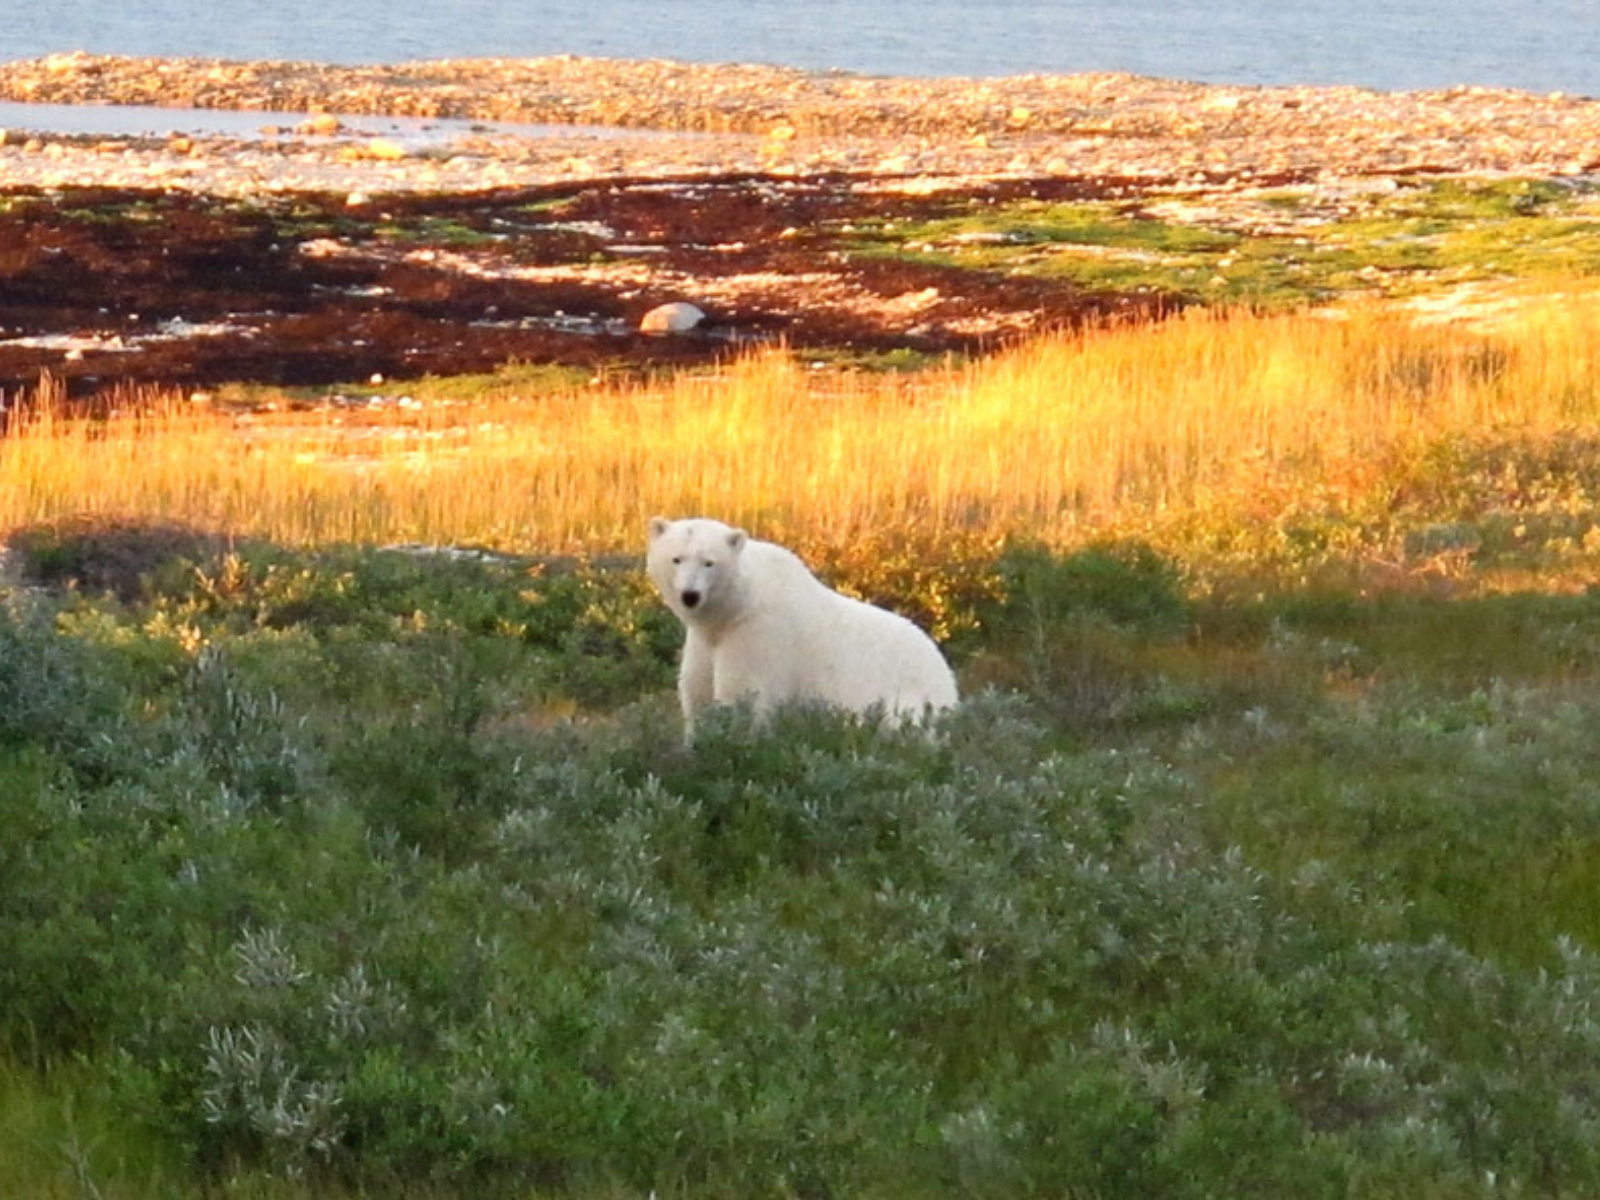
pixel 1553 45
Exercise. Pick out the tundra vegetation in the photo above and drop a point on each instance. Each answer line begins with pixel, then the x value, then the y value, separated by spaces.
pixel 1273 247
pixel 1262 859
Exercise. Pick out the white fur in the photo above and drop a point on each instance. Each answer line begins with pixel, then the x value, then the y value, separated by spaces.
pixel 762 628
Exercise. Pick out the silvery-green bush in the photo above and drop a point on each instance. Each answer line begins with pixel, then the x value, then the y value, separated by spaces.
pixel 358 920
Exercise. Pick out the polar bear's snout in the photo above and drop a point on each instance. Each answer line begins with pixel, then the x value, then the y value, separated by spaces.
pixel 694 584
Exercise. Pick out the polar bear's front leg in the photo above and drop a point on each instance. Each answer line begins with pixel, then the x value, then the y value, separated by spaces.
pixel 755 668
pixel 696 679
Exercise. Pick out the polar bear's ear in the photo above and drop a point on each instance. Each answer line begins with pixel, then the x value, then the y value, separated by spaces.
pixel 736 539
pixel 658 526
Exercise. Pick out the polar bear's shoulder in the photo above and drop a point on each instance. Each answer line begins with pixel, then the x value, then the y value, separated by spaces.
pixel 768 561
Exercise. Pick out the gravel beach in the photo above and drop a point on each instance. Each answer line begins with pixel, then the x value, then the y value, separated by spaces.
pixel 645 119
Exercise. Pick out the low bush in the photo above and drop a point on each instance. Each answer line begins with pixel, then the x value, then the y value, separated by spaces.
pixel 368 901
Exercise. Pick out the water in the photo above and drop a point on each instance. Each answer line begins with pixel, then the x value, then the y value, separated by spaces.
pixel 113 120
pixel 1552 45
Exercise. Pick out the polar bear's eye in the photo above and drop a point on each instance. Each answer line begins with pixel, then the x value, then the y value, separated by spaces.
pixel 678 561
pixel 710 562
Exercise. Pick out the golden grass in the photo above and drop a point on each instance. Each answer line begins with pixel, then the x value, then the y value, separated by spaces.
pixel 1059 439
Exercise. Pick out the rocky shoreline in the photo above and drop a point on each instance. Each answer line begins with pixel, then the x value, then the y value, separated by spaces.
pixel 673 119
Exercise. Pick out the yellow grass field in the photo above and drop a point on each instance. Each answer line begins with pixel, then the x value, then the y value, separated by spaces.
pixel 1061 439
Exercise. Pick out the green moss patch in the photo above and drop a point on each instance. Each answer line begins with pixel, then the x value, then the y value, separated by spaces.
pixel 1280 248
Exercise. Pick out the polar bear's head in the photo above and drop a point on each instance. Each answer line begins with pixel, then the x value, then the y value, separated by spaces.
pixel 695 564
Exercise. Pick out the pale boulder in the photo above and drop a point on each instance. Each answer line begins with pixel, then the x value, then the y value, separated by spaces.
pixel 677 317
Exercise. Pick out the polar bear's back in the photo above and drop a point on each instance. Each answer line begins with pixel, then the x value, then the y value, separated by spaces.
pixel 837 649
pixel 871 656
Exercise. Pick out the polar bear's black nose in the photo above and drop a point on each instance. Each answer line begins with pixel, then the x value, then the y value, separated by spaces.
pixel 691 598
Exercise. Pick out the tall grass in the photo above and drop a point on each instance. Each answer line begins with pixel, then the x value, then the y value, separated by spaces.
pixel 1058 438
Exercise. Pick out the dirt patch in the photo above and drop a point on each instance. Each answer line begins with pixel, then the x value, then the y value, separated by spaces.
pixel 102 287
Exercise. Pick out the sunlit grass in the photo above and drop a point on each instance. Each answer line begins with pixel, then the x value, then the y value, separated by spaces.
pixel 1061 439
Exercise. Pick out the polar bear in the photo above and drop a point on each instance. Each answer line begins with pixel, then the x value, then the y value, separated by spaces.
pixel 762 628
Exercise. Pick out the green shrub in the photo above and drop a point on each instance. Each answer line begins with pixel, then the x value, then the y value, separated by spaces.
pixel 56 697
pixel 1073 631
pixel 1127 585
pixel 339 903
